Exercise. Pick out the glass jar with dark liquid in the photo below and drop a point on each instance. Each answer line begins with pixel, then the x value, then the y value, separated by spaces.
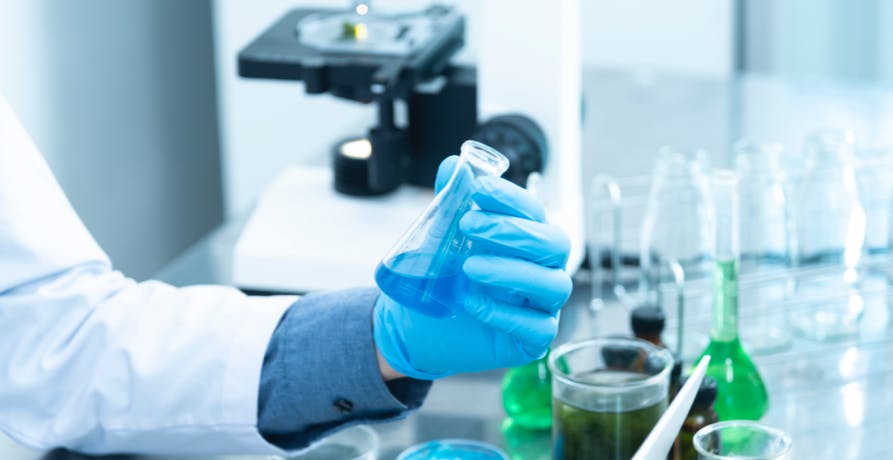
pixel 605 402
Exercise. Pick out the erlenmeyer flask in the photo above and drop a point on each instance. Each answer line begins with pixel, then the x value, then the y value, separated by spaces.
pixel 423 270
pixel 830 222
pixel 765 241
pixel 678 223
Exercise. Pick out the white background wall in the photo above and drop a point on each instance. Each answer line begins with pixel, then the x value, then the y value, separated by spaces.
pixel 120 98
pixel 268 125
pixel 840 39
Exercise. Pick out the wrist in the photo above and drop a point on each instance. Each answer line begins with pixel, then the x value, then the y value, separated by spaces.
pixel 384 367
pixel 387 372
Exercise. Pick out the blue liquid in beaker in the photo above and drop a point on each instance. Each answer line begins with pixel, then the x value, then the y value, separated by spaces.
pixel 404 279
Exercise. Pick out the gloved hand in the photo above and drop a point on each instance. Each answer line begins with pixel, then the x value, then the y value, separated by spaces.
pixel 518 287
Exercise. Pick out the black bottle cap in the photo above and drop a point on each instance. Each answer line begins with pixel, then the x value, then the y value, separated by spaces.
pixel 706 395
pixel 654 364
pixel 619 356
pixel 648 319
pixel 676 372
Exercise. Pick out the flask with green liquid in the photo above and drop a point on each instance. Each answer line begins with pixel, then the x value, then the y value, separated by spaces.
pixel 527 395
pixel 741 393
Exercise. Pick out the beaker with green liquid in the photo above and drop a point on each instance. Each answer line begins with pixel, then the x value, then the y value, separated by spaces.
pixel 607 394
pixel 741 393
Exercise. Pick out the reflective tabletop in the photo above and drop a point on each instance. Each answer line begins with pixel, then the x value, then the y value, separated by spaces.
pixel 836 401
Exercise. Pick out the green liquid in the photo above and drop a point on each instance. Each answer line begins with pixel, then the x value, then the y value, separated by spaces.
pixel 741 393
pixel 584 435
pixel 527 395
pixel 526 444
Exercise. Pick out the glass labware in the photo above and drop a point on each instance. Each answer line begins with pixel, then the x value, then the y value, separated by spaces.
pixel 526 444
pixel 451 449
pixel 423 271
pixel 741 393
pixel 830 226
pixel 678 219
pixel 607 393
pixel 355 443
pixel 874 175
pixel 527 394
pixel 741 439
pixel 765 243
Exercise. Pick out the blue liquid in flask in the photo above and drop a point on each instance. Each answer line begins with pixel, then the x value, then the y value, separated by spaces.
pixel 432 295
pixel 424 269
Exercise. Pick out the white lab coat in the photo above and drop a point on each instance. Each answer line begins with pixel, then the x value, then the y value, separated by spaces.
pixel 92 360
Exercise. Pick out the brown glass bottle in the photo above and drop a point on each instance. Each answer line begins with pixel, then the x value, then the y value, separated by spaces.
pixel 648 321
pixel 700 415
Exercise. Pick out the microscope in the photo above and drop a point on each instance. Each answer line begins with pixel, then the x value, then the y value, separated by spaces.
pixel 314 231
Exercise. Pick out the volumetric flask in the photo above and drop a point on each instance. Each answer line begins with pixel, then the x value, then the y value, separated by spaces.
pixel 765 240
pixel 830 222
pixel 740 439
pixel 607 395
pixel 423 270
pixel 678 223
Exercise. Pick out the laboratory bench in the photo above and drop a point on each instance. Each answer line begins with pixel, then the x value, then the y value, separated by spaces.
pixel 835 400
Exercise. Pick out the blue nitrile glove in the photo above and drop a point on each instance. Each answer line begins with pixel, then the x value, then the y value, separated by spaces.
pixel 511 314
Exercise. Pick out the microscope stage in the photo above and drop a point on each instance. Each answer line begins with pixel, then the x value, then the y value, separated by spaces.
pixel 303 236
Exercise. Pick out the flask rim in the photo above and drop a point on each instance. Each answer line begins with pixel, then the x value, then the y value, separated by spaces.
pixel 483 158
pixel 646 381
pixel 784 442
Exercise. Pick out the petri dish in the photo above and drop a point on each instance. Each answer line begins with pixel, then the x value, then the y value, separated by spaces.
pixel 355 443
pixel 453 449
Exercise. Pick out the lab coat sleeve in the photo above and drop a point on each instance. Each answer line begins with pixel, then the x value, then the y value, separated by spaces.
pixel 96 362
pixel 321 372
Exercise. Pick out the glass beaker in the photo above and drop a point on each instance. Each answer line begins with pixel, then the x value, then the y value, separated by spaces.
pixel 423 271
pixel 830 222
pixel 607 394
pixel 678 223
pixel 740 439
pixel 765 241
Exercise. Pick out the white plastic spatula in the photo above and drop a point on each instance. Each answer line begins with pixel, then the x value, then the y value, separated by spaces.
pixel 658 443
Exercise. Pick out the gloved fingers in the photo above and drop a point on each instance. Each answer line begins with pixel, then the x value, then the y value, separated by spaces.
pixel 533 329
pixel 518 282
pixel 501 196
pixel 538 242
pixel 444 171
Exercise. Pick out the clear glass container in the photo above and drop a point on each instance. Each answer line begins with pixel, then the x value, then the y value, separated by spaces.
pixel 766 238
pixel 741 392
pixel 423 270
pixel 607 394
pixel 355 443
pixel 874 174
pixel 742 440
pixel 678 222
pixel 830 227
